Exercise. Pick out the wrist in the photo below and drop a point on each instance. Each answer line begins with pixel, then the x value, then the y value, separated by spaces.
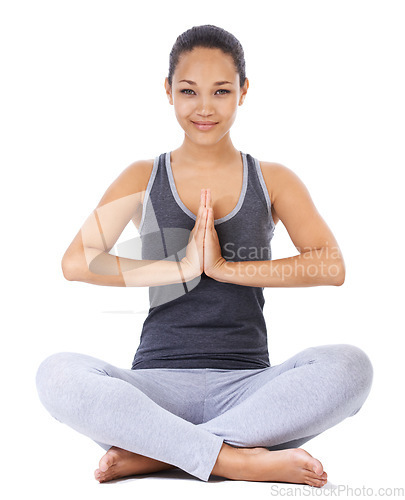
pixel 217 271
pixel 187 270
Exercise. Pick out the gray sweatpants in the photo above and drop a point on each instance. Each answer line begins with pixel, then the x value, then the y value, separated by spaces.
pixel 182 416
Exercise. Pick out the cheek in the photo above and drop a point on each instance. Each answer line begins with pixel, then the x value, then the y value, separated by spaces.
pixel 228 106
pixel 224 109
pixel 183 108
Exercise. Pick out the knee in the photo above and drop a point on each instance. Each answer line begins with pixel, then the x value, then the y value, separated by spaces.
pixel 52 376
pixel 355 368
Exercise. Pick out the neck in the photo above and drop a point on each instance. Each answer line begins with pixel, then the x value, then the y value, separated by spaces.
pixel 206 155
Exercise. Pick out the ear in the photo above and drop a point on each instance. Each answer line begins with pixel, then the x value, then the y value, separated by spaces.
pixel 168 91
pixel 243 92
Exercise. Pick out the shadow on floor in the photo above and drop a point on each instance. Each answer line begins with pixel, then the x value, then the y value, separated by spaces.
pixel 167 474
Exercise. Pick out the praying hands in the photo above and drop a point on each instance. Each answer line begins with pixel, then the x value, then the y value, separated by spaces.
pixel 203 252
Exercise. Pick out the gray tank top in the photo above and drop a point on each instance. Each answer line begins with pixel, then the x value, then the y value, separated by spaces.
pixel 204 323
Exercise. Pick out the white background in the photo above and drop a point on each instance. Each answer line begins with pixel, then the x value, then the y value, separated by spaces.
pixel 82 97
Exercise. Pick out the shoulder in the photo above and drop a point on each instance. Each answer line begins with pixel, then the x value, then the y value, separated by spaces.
pixel 139 172
pixel 276 176
pixel 284 187
pixel 133 180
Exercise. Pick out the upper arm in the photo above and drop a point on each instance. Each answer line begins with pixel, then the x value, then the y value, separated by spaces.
pixel 293 205
pixel 121 202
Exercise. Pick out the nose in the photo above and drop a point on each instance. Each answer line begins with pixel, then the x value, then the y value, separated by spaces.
pixel 205 107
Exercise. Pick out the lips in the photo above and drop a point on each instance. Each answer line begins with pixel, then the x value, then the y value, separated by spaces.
pixel 204 125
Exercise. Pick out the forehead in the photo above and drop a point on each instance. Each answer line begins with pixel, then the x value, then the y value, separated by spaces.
pixel 203 63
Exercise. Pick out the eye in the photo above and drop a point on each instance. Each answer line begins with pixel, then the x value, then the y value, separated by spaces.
pixel 186 91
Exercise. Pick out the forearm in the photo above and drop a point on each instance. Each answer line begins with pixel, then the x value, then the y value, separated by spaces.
pixel 101 268
pixel 312 268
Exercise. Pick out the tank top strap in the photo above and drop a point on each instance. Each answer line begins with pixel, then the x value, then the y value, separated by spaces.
pixel 160 208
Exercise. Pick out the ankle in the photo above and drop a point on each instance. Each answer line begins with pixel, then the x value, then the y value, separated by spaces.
pixel 230 463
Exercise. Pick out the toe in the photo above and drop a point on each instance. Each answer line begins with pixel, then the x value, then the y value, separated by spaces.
pixel 311 476
pixel 98 475
pixel 317 467
pixel 317 483
pixel 310 463
pixel 106 462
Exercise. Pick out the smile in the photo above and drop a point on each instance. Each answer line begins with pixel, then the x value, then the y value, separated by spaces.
pixel 204 125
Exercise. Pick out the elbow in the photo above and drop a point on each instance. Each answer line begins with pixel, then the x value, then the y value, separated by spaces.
pixel 69 268
pixel 66 270
pixel 339 273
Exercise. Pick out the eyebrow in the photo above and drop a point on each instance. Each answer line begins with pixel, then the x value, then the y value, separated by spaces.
pixel 215 83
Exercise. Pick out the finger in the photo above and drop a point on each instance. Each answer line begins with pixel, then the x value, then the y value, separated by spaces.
pixel 206 213
pixel 203 224
pixel 212 219
pixel 208 203
pixel 209 218
pixel 200 220
pixel 201 207
pixel 200 213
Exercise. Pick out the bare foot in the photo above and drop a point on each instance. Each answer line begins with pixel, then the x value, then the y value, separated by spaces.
pixel 293 465
pixel 118 463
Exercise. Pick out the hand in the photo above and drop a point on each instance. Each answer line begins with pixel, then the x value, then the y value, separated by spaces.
pixel 213 259
pixel 194 259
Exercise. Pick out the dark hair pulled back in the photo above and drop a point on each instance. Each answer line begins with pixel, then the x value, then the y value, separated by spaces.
pixel 211 37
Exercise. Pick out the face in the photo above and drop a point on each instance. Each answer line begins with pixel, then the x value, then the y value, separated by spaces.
pixel 199 94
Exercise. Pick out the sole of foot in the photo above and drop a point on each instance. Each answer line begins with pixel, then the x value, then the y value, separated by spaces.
pixel 118 463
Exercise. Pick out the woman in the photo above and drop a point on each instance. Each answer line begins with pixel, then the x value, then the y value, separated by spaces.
pixel 201 394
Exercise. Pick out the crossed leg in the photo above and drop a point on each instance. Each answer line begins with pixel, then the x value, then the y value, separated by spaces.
pixel 289 403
